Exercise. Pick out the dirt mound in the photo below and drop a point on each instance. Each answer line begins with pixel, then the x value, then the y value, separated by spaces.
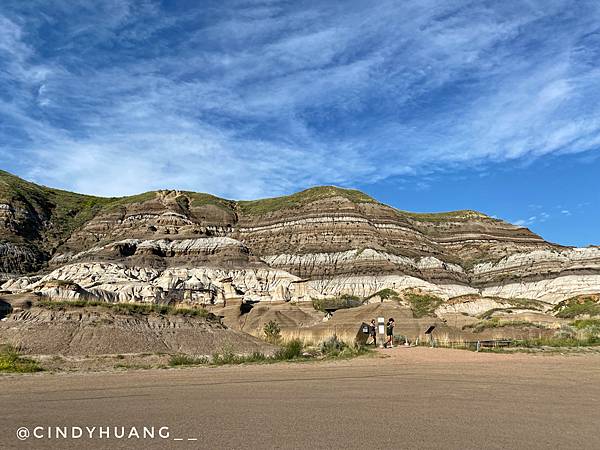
pixel 305 323
pixel 346 322
pixel 100 331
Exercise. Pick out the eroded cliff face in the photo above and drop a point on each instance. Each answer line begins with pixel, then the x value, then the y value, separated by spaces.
pixel 325 241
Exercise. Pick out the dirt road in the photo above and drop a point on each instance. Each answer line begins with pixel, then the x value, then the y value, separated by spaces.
pixel 415 398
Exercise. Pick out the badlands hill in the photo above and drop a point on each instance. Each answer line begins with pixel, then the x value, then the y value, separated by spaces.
pixel 185 247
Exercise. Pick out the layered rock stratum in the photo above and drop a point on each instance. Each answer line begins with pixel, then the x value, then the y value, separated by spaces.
pixel 183 247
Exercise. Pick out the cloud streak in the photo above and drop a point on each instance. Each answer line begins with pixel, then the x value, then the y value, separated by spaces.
pixel 247 100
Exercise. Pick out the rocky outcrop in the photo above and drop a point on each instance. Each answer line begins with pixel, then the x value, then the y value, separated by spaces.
pixel 18 259
pixel 543 262
pixel 221 251
pixel 196 286
pixel 170 246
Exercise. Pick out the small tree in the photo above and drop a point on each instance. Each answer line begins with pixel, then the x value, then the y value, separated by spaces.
pixel 272 332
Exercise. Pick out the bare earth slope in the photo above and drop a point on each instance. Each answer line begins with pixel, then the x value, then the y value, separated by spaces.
pixel 94 331
pixel 172 246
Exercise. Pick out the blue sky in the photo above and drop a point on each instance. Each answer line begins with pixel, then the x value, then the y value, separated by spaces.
pixel 426 105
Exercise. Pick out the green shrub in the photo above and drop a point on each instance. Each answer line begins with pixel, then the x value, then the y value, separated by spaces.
pixel 256 357
pixel 585 323
pixel 497 323
pixel 272 332
pixel 12 361
pixel 490 312
pixel 565 332
pixel 557 342
pixel 352 352
pixel 186 360
pixel 422 305
pixel 591 331
pixel 577 306
pixel 226 357
pixel 385 294
pixel 290 350
pixel 587 328
pixel 332 346
pixel 343 302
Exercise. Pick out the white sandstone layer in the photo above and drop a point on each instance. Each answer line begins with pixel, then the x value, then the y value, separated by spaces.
pixel 166 246
pixel 571 258
pixel 369 254
pixel 119 283
pixel 551 290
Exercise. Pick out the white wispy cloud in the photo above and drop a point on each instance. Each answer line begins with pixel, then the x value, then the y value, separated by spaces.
pixel 247 99
pixel 532 220
pixel 525 222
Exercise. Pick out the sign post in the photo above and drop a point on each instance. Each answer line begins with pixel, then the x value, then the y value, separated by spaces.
pixel 381 330
pixel 429 334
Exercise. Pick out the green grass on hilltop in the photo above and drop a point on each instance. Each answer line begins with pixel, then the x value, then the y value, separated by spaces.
pixel 302 198
pixel 66 210
pixel 200 199
pixel 114 203
pixel 70 210
pixel 461 215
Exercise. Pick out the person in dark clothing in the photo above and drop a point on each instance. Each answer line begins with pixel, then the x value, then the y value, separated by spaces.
pixel 373 332
pixel 389 332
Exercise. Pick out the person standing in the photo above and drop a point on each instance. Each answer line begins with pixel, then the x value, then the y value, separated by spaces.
pixel 389 332
pixel 373 332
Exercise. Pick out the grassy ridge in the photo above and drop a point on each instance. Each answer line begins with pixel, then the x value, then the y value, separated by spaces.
pixel 70 210
pixel 461 216
pixel 127 308
pixel 66 210
pixel 302 198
